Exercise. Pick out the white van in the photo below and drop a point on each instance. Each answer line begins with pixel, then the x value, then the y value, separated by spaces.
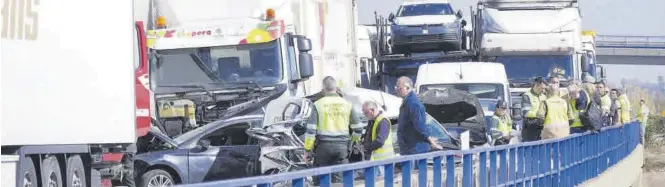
pixel 486 80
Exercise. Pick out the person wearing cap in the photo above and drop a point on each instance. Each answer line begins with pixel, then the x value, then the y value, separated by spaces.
pixel 531 101
pixel 579 102
pixel 501 121
pixel 554 113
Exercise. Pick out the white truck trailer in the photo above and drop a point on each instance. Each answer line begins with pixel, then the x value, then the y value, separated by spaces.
pixel 532 38
pixel 67 89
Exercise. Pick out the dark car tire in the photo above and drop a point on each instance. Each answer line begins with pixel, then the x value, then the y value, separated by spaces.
pixel 159 176
pixel 51 170
pixel 75 170
pixel 30 174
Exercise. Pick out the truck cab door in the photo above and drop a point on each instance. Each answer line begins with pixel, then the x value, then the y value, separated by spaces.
pixel 142 90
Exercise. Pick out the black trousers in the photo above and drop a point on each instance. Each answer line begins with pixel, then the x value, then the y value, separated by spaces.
pixel 328 153
pixel 531 130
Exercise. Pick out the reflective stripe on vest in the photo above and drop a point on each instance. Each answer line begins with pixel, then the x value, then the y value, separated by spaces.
pixel 576 112
pixel 557 113
pixel 625 109
pixel 387 150
pixel 504 125
pixel 333 119
pixel 535 103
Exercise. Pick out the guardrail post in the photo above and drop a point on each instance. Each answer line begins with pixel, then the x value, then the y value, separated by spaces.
pixel 370 174
pixel 529 164
pixel 512 170
pixel 422 172
pixel 557 160
pixel 406 173
pixel 450 170
pixel 388 177
pixel 549 169
pixel 521 163
pixel 567 157
pixel 438 182
pixel 493 169
pixel 299 182
pixel 482 170
pixel 348 178
pixel 467 170
pixel 503 166
pixel 324 180
pixel 543 163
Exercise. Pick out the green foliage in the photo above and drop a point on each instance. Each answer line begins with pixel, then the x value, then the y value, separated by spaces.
pixel 655 131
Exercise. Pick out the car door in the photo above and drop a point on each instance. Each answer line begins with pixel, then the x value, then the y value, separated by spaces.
pixel 229 154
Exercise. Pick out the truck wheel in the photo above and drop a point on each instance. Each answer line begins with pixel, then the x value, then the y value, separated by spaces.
pixel 51 175
pixel 29 173
pixel 156 178
pixel 75 172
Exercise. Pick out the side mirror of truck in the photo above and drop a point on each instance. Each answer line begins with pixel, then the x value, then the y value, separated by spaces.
pixel 585 64
pixel 304 44
pixel 391 17
pixel 459 14
pixel 306 65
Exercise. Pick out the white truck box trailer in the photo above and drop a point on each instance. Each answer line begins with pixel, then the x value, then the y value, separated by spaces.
pixel 67 86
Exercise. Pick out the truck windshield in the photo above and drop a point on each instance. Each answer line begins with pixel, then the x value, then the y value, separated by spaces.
pixel 528 67
pixel 394 70
pixel 425 9
pixel 255 63
pixel 481 90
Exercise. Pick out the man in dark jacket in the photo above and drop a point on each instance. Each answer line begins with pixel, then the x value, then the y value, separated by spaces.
pixel 378 142
pixel 412 133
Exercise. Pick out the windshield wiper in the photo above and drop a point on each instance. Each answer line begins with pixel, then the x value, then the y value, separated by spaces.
pixel 197 87
pixel 252 83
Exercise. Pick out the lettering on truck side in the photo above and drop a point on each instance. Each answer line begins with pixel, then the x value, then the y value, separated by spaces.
pixel 15 17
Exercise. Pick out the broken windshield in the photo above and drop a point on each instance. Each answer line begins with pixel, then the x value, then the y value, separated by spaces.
pixel 256 63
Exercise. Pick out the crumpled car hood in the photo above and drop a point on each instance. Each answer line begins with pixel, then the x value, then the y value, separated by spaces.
pixel 453 106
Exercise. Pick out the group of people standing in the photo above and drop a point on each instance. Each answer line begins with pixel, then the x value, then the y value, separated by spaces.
pixel 548 113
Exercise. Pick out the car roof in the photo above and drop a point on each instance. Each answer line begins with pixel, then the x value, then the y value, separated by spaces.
pixel 415 2
pixel 214 125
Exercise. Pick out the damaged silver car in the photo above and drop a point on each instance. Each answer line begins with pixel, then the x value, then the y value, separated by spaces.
pixel 235 147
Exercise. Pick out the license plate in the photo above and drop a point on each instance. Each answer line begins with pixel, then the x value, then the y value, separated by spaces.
pixel 425 31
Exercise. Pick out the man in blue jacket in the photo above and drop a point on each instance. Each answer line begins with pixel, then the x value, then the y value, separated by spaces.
pixel 412 132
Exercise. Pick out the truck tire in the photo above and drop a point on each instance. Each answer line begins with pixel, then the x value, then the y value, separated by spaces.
pixel 156 177
pixel 29 173
pixel 51 175
pixel 75 172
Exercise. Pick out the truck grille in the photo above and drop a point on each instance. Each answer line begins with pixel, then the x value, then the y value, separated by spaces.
pixel 426 38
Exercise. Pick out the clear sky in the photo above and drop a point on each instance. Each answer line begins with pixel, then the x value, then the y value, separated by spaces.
pixel 607 17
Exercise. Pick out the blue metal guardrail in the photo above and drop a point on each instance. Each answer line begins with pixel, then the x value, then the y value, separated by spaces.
pixel 648 42
pixel 558 162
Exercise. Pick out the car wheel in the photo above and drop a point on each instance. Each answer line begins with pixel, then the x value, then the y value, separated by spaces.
pixel 157 178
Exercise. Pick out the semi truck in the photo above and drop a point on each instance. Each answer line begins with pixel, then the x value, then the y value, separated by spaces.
pixel 206 56
pixel 550 44
pixel 65 102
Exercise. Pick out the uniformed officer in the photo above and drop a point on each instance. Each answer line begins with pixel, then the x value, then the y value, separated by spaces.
pixel 531 101
pixel 329 128
pixel 501 121
pixel 605 101
pixel 642 117
pixel 378 138
pixel 554 112
pixel 579 101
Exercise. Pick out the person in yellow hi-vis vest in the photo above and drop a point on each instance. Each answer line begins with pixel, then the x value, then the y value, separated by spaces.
pixel 579 100
pixel 625 108
pixel 378 142
pixel 530 104
pixel 604 97
pixel 501 121
pixel 554 112
pixel 332 124
pixel 643 117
